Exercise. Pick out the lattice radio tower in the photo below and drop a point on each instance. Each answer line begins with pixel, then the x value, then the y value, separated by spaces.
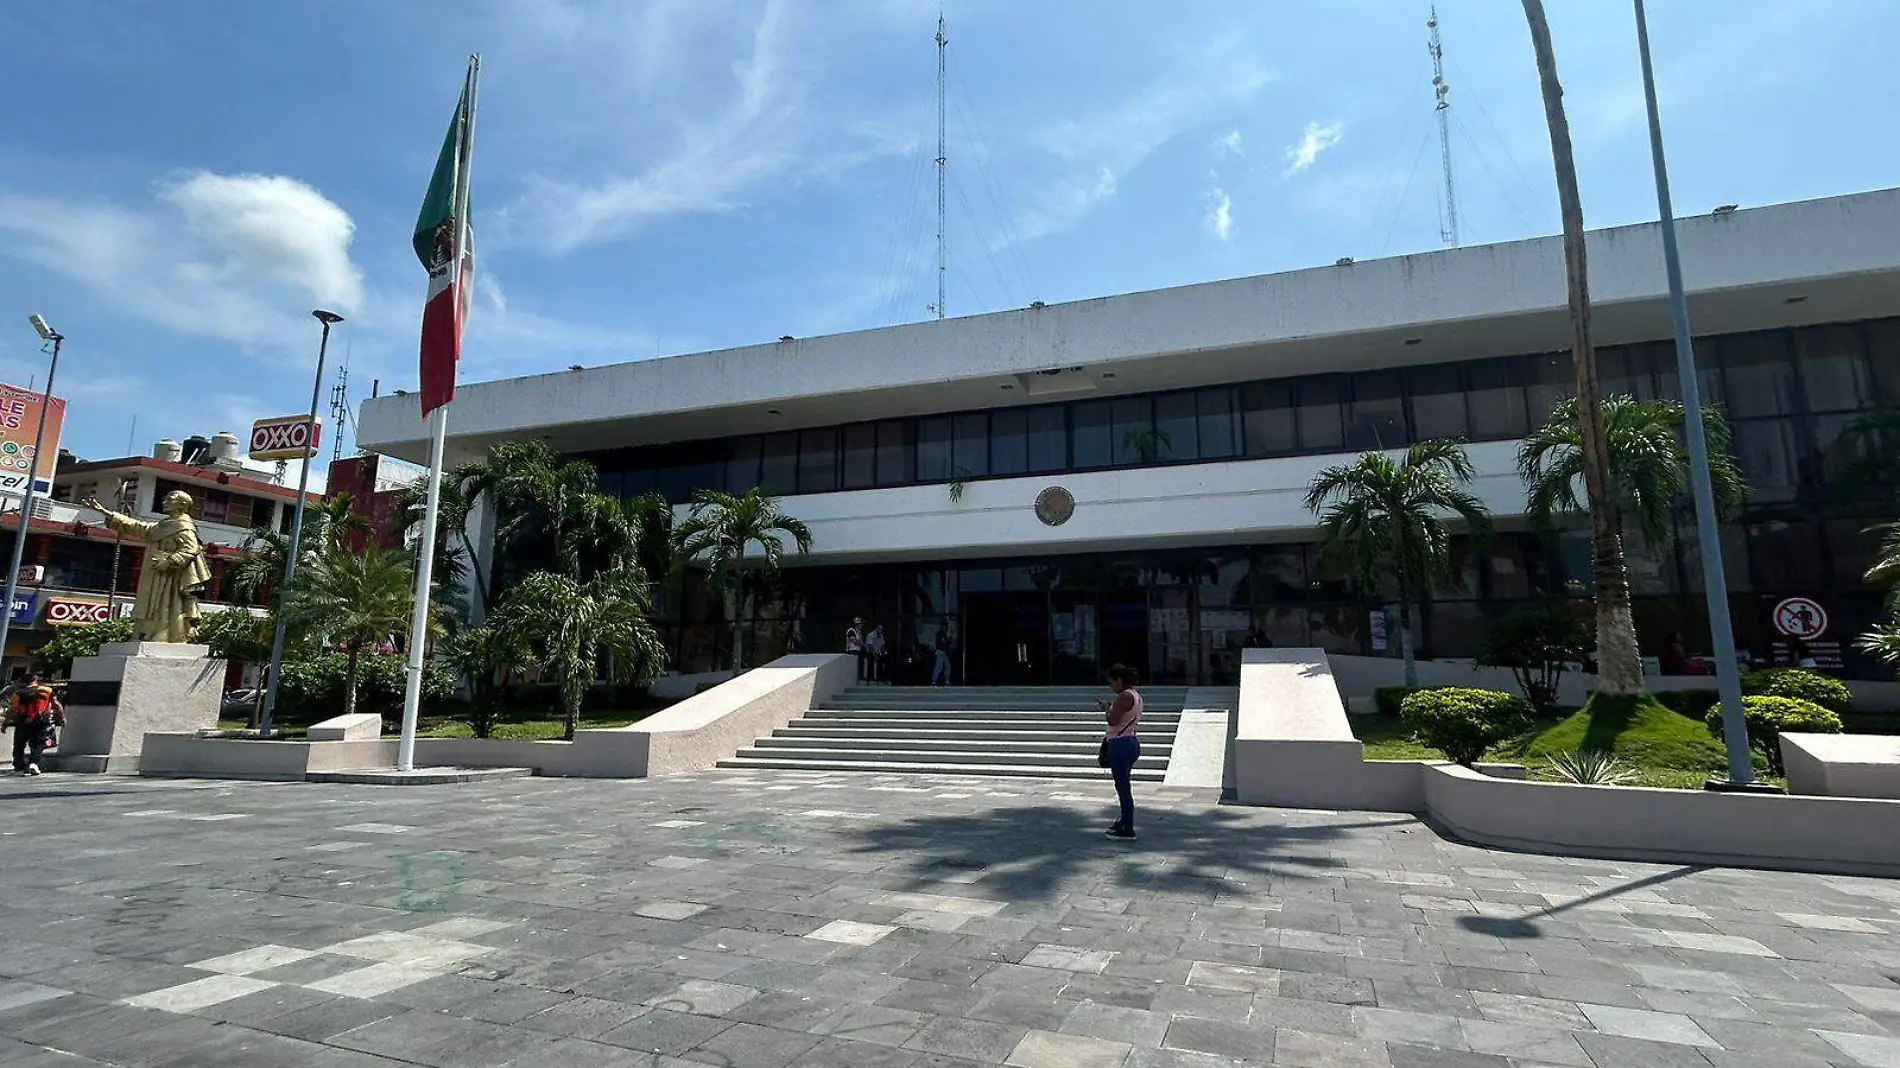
pixel 943 159
pixel 1441 91
pixel 339 406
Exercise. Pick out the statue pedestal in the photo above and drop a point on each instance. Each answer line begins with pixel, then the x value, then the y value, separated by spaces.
pixel 131 688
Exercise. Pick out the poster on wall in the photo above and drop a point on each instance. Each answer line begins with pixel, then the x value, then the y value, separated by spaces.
pixel 1377 623
pixel 19 423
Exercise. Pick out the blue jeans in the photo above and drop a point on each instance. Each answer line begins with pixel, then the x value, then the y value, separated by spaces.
pixel 1122 754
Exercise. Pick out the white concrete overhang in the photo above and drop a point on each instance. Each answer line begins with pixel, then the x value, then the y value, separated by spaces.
pixel 1810 262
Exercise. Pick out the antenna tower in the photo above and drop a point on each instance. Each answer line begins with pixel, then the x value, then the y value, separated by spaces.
pixel 943 260
pixel 1448 226
pixel 339 406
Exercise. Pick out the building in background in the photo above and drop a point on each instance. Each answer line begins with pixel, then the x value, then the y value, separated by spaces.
pixel 376 485
pixel 1059 488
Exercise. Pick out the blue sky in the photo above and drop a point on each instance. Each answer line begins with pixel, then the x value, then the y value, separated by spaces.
pixel 181 183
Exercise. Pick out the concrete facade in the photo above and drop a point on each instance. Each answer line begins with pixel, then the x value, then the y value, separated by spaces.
pixel 1842 765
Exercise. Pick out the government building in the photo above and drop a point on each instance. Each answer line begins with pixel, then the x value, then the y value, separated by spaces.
pixel 1054 489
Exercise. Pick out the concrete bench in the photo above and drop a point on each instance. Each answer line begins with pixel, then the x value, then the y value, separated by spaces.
pixel 1842 765
pixel 362 727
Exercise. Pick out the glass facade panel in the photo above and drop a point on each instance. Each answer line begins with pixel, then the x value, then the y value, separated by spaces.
pixel 1048 439
pixel 1785 555
pixel 1378 411
pixel 1321 413
pixel 1134 431
pixel 1009 442
pixel 1218 425
pixel 1759 372
pixel 1548 378
pixel 1094 434
pixel 1833 368
pixel 1625 370
pixel 1772 458
pixel 1267 419
pixel 817 461
pixel 742 466
pixel 860 456
pixel 896 453
pixel 1438 402
pixel 779 474
pixel 1883 358
pixel 972 452
pixel 1177 427
pixel 935 460
pixel 1495 400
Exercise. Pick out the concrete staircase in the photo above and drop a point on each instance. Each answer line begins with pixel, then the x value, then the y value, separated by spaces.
pixel 1034 731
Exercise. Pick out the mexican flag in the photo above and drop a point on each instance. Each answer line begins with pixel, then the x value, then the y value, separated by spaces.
pixel 447 308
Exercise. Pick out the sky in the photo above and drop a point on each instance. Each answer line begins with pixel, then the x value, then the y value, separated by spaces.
pixel 180 183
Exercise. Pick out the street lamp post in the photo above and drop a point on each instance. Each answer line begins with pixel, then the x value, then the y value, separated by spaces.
pixel 53 336
pixel 328 319
pixel 1728 680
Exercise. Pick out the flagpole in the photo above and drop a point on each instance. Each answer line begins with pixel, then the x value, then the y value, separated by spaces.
pixel 438 435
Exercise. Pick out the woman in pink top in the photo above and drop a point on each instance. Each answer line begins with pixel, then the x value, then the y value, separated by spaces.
pixel 1123 742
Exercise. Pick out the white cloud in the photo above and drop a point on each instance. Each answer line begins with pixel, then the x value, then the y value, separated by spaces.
pixel 1220 212
pixel 1231 143
pixel 277 226
pixel 1316 140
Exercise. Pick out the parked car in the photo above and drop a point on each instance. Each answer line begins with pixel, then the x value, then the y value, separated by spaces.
pixel 238 704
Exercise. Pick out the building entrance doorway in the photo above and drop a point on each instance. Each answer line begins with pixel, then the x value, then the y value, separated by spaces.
pixel 1006 639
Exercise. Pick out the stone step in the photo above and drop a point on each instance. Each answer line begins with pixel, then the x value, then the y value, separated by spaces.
pixel 851 729
pixel 1081 758
pixel 987 715
pixel 801 762
pixel 1064 744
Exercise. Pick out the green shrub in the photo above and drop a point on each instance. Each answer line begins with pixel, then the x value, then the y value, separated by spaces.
pixel 1802 684
pixel 1692 703
pixel 312 689
pixel 1639 730
pixel 1768 717
pixel 1538 647
pixel 56 656
pixel 1591 767
pixel 1388 698
pixel 1463 723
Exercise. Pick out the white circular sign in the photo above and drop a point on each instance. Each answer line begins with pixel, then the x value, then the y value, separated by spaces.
pixel 1799 617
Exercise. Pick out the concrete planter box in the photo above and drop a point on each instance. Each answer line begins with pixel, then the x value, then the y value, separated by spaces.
pixel 189 756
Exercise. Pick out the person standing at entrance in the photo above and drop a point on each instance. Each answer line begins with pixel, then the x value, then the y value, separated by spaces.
pixel 32 712
pixel 854 644
pixel 1123 743
pixel 876 650
pixel 940 667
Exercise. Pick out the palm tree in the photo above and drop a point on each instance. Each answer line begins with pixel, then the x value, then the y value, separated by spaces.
pixel 488 656
pixel 1619 663
pixel 334 521
pixel 1649 465
pixel 353 599
pixel 722 529
pixel 454 545
pixel 1886 568
pixel 1385 516
pixel 568 626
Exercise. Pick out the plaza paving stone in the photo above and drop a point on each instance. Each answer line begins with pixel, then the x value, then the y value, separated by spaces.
pixel 761 919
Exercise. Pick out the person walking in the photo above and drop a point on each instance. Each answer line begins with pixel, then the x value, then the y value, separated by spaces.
pixel 1122 743
pixel 854 645
pixel 33 712
pixel 940 666
pixel 875 646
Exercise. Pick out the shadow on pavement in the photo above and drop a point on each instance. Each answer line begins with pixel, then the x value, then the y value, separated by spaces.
pixel 1526 926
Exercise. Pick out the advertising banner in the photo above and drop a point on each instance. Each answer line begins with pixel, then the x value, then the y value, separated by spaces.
pixel 286 437
pixel 25 607
pixel 80 611
pixel 19 421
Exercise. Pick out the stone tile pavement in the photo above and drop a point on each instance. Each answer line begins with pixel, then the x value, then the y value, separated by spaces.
pixel 753 919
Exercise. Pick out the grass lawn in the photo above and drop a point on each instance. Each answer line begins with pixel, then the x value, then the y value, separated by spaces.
pixel 1658 747
pixel 535 725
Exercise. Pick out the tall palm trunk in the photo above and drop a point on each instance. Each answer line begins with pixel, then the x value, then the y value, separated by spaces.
pixel 573 692
pixel 732 612
pixel 1406 654
pixel 1619 663
pixel 349 683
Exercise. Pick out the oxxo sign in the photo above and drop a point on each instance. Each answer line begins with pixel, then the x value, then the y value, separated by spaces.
pixel 287 437
pixel 63 612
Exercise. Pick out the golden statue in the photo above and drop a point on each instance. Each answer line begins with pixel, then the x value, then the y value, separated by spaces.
pixel 166 606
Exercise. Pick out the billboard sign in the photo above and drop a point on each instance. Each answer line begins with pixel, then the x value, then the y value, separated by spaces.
pixel 78 612
pixel 25 607
pixel 286 437
pixel 19 422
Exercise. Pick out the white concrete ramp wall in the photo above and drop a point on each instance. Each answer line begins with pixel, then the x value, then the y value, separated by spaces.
pixel 706 728
pixel 1294 746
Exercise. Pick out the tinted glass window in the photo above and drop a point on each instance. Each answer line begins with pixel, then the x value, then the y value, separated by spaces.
pixel 780 470
pixel 1134 431
pixel 1216 407
pixel 817 461
pixel 742 465
pixel 1009 442
pixel 1267 419
pixel 971 455
pixel 1833 368
pixel 1883 356
pixel 934 460
pixel 860 456
pixel 1760 374
pixel 1770 454
pixel 1321 412
pixel 1177 427
pixel 1094 432
pixel 1626 371
pixel 1495 400
pixel 1378 414
pixel 896 452
pixel 1549 378
pixel 1048 439
pixel 1438 402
